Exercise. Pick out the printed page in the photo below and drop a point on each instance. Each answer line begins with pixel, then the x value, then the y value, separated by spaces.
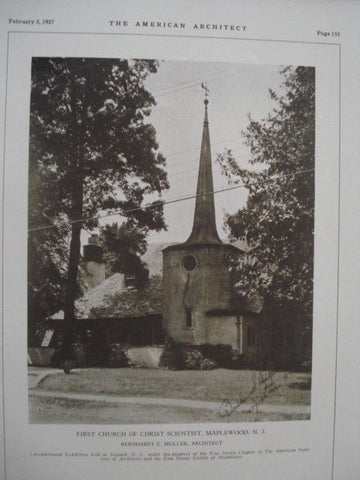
pixel 179 225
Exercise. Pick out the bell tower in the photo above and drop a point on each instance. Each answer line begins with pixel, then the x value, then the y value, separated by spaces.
pixel 196 273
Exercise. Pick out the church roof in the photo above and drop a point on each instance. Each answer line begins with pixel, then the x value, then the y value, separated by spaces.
pixel 132 302
pixel 111 300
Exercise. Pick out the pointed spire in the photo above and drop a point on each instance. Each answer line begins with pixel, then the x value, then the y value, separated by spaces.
pixel 204 226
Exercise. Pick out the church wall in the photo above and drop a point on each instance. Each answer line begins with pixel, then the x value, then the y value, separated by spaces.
pixel 223 330
pixel 205 287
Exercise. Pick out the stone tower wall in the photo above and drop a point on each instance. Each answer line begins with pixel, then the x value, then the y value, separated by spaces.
pixel 205 287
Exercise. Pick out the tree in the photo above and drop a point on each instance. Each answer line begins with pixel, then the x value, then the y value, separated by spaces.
pixel 88 129
pixel 123 247
pixel 278 219
pixel 47 253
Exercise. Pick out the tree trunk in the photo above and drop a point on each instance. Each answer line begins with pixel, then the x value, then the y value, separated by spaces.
pixel 71 287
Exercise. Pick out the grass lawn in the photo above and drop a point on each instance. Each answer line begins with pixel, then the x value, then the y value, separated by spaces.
pixel 215 385
pixel 59 411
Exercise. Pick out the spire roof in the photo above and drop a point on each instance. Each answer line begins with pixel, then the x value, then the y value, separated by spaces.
pixel 204 226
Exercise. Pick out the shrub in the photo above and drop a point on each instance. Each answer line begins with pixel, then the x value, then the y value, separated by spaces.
pixel 181 356
pixel 208 364
pixel 193 360
pixel 79 355
pixel 117 356
pixel 239 361
pixel 172 356
pixel 221 354
pixel 57 358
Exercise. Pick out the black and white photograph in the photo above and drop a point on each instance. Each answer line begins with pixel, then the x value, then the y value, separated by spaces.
pixel 170 241
pixel 179 259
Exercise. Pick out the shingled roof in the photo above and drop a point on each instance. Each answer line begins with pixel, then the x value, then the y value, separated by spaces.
pixel 131 302
pixel 111 300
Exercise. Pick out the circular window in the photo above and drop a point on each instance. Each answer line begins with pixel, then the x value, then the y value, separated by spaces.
pixel 189 262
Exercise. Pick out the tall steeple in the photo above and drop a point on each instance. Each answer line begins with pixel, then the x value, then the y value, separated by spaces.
pixel 204 226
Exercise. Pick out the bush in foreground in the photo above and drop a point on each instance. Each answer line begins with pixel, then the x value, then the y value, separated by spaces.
pixel 182 356
pixel 117 356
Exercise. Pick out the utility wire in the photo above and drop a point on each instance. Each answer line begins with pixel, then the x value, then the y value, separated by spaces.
pixel 194 85
pixel 194 166
pixel 171 201
pixel 212 144
pixel 213 78
pixel 165 90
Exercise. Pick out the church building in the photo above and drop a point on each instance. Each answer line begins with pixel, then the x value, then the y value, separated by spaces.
pixel 191 297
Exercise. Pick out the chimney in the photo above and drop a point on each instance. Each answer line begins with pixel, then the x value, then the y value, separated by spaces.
pixel 93 257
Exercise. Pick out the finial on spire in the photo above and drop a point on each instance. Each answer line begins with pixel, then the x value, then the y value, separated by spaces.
pixel 206 101
pixel 204 227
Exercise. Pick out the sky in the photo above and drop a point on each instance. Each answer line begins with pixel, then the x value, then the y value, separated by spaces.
pixel 235 91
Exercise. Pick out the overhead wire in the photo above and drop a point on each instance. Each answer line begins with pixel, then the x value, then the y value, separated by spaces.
pixel 184 85
pixel 193 84
pixel 170 201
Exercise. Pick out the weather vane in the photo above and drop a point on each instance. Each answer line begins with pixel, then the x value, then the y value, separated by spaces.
pixel 206 92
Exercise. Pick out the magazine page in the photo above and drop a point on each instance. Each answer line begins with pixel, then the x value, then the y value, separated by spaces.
pixel 179 225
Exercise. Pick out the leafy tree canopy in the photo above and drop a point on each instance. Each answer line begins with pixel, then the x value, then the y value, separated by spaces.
pixel 92 149
pixel 88 126
pixel 123 247
pixel 278 219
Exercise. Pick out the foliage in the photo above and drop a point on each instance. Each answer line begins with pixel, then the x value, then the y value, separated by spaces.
pixel 80 354
pixel 278 219
pixel 239 361
pixel 220 353
pixel 123 247
pixel 224 356
pixel 195 360
pixel 172 356
pixel 117 356
pixel 183 356
pixel 91 149
pixel 47 252
pixel 88 126
pixel 208 364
